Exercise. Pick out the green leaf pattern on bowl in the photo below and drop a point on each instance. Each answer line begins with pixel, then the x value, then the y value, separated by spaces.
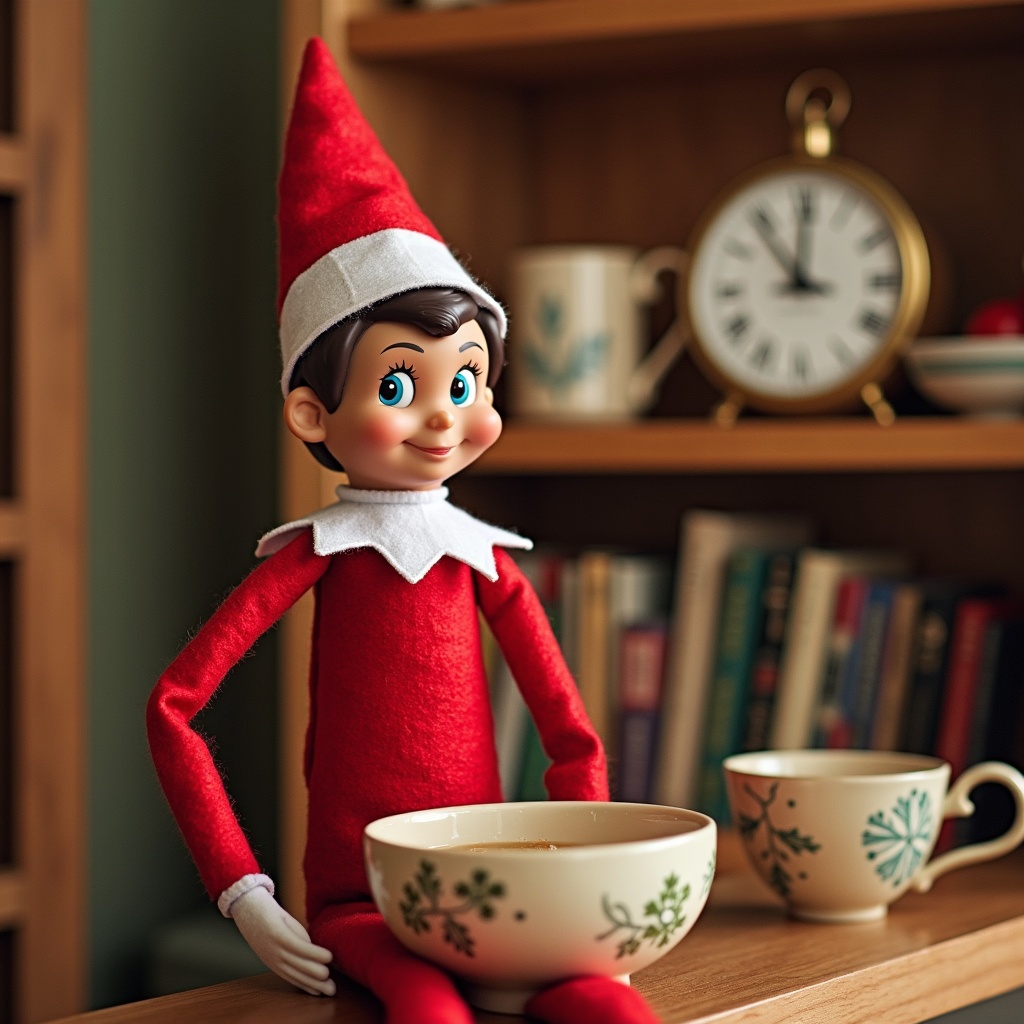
pixel 662 917
pixel 423 901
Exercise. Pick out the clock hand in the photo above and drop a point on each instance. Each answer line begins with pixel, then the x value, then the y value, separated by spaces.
pixel 766 230
pixel 805 214
pixel 800 281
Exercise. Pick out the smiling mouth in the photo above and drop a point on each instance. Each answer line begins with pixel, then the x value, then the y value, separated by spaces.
pixel 438 453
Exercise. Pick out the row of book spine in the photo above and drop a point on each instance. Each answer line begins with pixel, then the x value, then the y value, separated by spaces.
pixel 764 640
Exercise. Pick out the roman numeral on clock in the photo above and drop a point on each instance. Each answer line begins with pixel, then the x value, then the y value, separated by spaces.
pixel 873 240
pixel 737 327
pixel 800 365
pixel 761 356
pixel 872 322
pixel 886 280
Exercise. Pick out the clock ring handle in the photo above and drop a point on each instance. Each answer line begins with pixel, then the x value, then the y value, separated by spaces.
pixel 817 103
pixel 645 288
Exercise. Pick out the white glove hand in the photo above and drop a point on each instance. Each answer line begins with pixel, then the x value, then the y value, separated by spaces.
pixel 282 943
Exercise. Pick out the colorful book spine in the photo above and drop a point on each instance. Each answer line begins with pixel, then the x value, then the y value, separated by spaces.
pixel 832 726
pixel 642 651
pixel 859 700
pixel 764 673
pixel 730 684
pixel 966 656
pixel 805 652
pixel 894 673
pixel 931 663
pixel 707 539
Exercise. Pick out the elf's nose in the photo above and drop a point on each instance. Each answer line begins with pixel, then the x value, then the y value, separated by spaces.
pixel 441 420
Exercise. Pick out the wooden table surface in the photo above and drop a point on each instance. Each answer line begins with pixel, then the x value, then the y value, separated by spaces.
pixel 744 961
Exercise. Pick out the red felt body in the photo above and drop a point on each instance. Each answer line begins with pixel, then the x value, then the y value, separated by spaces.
pixel 400 718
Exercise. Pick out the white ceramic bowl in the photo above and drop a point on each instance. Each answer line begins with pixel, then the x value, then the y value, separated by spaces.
pixel 975 375
pixel 510 921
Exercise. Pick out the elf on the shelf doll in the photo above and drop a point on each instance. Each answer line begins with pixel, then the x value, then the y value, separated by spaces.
pixel 390 350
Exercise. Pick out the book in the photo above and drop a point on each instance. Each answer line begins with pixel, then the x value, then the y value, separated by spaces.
pixel 931 658
pixel 707 539
pixel 801 672
pixel 866 666
pixel 971 620
pixel 831 729
pixel 730 680
pixel 894 672
pixel 642 651
pixel 639 592
pixel 764 672
pixel 967 652
pixel 998 732
pixel 615 589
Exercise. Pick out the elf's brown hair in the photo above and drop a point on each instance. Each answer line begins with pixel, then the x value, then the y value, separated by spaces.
pixel 435 311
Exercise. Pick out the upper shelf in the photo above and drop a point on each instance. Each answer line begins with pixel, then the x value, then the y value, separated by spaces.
pixel 530 40
pixel 758 446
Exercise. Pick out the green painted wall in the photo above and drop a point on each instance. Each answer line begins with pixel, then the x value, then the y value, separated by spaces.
pixel 184 409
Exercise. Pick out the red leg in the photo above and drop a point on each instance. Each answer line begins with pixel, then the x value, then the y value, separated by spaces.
pixel 591 1000
pixel 412 990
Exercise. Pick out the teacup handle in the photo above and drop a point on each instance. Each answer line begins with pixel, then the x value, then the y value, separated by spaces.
pixel 644 288
pixel 958 805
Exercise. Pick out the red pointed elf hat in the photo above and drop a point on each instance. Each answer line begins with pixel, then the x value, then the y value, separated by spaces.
pixel 350 233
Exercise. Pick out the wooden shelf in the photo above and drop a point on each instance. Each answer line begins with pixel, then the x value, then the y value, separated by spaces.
pixel 12 528
pixel 528 41
pixel 13 165
pixel 744 961
pixel 12 898
pixel 765 446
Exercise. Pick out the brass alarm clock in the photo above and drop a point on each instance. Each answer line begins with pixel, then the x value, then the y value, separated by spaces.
pixel 808 276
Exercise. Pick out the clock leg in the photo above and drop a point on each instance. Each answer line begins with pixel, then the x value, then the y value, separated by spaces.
pixel 874 399
pixel 727 411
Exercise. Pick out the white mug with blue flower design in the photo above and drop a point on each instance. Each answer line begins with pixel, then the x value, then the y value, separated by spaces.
pixel 841 834
pixel 578 344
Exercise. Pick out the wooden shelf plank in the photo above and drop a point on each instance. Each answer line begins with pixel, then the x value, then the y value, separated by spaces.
pixel 12 528
pixel 557 38
pixel 744 961
pixel 13 165
pixel 764 446
pixel 12 898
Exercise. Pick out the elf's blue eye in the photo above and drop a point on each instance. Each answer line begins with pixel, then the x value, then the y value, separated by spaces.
pixel 464 387
pixel 397 389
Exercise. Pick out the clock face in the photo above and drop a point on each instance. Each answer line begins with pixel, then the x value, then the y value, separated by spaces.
pixel 799 284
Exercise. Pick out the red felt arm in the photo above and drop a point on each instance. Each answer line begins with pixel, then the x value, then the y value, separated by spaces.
pixel 183 762
pixel 517 619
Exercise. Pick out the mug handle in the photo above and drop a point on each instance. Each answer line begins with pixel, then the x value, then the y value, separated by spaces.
pixel 644 288
pixel 958 805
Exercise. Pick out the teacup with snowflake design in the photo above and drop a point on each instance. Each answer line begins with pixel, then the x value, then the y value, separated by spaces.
pixel 841 834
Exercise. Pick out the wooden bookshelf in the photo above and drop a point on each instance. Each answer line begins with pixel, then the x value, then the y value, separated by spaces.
pixel 744 961
pixel 42 510
pixel 604 121
pixel 771 446
pixel 558 39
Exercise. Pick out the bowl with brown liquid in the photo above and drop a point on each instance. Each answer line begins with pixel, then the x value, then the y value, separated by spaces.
pixel 512 897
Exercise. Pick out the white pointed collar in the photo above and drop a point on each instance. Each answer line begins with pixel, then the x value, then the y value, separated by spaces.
pixel 412 529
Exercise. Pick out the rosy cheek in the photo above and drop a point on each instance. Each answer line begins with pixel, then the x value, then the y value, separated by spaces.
pixel 485 426
pixel 382 429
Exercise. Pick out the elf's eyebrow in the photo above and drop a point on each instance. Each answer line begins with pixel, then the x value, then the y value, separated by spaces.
pixel 471 344
pixel 402 344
